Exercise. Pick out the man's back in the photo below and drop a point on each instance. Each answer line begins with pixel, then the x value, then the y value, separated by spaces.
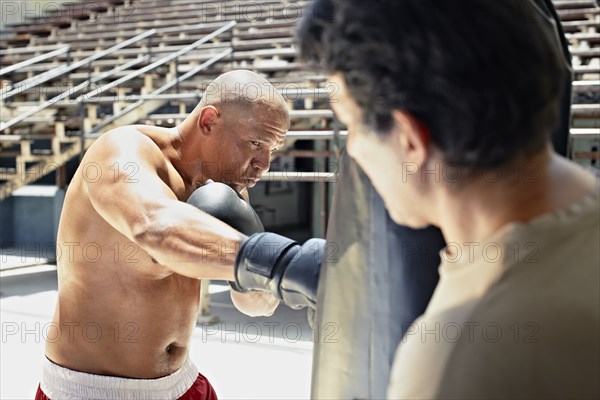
pixel 120 313
pixel 518 317
pixel 548 307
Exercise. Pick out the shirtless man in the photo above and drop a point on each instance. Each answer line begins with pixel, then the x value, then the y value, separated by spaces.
pixel 133 252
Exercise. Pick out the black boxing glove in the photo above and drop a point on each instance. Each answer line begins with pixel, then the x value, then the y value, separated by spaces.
pixel 227 205
pixel 266 261
pixel 224 203
pixel 274 263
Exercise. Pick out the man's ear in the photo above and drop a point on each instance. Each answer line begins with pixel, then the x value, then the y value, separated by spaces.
pixel 412 137
pixel 208 118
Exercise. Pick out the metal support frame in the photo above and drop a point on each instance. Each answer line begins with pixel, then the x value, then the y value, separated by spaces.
pixel 62 70
pixel 292 93
pixel 158 63
pixel 78 146
pixel 33 60
pixel 94 133
pixel 66 94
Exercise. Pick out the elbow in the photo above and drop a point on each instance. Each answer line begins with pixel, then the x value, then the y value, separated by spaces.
pixel 149 235
pixel 152 238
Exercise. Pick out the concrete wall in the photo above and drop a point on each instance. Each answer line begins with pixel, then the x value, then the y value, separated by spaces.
pixel 30 218
pixel 6 222
pixel 277 203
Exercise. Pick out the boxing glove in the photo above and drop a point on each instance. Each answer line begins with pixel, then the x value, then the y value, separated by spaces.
pixel 267 261
pixel 225 204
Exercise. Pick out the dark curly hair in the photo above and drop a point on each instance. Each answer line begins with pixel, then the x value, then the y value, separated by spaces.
pixel 484 76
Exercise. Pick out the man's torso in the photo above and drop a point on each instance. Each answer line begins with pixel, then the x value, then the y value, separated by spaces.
pixel 119 312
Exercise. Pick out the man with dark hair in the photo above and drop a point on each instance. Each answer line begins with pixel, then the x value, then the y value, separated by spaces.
pixel 450 108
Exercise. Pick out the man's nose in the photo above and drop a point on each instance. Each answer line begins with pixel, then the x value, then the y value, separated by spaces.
pixel 262 163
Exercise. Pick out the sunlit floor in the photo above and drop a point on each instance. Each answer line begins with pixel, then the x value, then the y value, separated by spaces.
pixel 243 357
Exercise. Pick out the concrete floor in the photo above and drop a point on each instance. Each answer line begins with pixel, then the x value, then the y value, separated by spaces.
pixel 243 357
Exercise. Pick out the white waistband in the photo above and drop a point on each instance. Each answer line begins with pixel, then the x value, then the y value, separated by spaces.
pixel 59 383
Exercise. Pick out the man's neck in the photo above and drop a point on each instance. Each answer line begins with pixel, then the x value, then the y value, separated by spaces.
pixel 186 157
pixel 533 187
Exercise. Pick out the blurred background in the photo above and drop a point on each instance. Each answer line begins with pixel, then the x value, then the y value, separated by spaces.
pixel 70 71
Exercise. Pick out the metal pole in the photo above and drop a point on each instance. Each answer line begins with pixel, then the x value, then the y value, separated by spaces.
pixel 205 315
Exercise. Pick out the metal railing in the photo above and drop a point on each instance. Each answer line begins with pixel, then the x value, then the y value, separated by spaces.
pixel 295 176
pixel 7 187
pixel 71 91
pixel 90 96
pixel 94 93
pixel 14 67
pixel 94 132
pixel 11 51
pixel 289 93
pixel 585 133
pixel 63 69
pixel 158 92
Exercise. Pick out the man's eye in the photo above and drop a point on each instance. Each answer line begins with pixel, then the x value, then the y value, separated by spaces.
pixel 255 143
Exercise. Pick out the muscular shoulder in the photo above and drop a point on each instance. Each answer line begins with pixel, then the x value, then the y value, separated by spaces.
pixel 127 143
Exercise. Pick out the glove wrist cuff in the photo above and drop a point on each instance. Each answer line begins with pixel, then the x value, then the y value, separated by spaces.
pixel 259 262
pixel 236 287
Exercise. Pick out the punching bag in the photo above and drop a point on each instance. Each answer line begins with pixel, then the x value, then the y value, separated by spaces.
pixel 377 278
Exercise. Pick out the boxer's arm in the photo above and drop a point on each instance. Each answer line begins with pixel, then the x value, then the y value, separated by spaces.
pixel 231 205
pixel 132 197
pixel 254 303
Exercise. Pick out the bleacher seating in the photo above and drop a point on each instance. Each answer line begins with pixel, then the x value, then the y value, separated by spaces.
pixel 581 22
pixel 92 81
pixel 261 40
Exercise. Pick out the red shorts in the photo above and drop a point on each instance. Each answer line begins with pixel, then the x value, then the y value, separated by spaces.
pixel 200 390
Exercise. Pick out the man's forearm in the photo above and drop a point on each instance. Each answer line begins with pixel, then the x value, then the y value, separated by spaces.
pixel 190 242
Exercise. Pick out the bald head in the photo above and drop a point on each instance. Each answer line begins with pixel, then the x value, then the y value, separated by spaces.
pixel 242 89
pixel 241 120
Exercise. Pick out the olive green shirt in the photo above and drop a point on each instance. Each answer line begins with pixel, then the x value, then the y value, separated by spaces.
pixel 514 317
